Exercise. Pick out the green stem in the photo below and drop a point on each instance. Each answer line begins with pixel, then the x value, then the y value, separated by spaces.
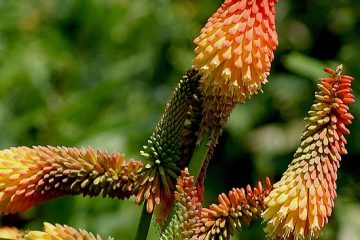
pixel 199 156
pixel 144 224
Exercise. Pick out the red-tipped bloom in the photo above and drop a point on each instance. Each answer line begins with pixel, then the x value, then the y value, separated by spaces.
pixel 301 202
pixel 235 48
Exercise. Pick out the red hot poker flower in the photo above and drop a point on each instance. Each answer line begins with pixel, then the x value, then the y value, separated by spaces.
pixel 301 202
pixel 235 48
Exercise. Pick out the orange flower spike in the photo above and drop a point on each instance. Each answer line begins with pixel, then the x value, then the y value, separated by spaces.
pixel 30 176
pixel 235 48
pixel 301 202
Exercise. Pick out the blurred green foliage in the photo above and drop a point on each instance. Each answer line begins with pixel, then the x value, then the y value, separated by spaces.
pixel 98 73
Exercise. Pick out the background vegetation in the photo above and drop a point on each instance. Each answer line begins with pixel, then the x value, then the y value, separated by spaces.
pixel 98 72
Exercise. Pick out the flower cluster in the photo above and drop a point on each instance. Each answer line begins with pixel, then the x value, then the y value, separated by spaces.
pixel 29 176
pixel 234 210
pixel 301 202
pixel 233 58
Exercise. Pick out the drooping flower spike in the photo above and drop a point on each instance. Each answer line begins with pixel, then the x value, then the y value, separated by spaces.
pixel 234 210
pixel 301 202
pixel 235 48
pixel 30 176
pixel 59 232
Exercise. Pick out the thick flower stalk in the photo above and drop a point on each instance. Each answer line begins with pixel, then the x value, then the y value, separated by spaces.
pixel 234 210
pixel 163 152
pixel 187 210
pixel 190 132
pixel 29 176
pixel 59 232
pixel 301 202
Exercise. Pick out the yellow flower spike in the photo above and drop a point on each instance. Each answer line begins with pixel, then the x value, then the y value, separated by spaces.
pixel 9 233
pixel 30 176
pixel 59 232
pixel 301 202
